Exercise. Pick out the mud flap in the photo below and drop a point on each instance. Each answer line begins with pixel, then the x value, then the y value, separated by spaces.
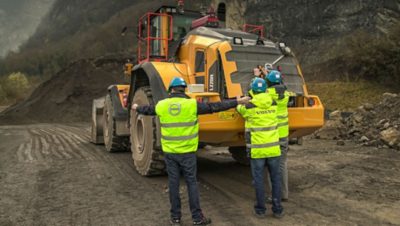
pixel 120 114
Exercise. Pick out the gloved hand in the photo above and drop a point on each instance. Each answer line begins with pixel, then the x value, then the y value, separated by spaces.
pixel 134 107
pixel 243 100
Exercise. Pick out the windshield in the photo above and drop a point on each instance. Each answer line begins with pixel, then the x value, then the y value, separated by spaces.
pixel 182 25
pixel 248 57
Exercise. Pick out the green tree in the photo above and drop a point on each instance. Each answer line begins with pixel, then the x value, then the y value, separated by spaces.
pixel 16 86
pixel 3 96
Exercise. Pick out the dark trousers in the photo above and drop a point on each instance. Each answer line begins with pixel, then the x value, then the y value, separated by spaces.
pixel 187 165
pixel 257 170
pixel 284 144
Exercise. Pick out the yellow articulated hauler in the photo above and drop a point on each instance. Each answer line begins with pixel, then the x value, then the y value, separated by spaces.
pixel 216 63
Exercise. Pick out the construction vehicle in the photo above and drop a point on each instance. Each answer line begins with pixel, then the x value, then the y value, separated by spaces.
pixel 217 63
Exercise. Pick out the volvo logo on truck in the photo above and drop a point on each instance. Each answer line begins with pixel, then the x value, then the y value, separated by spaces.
pixel 211 85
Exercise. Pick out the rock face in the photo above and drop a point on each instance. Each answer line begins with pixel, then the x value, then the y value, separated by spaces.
pixel 315 28
pixel 371 124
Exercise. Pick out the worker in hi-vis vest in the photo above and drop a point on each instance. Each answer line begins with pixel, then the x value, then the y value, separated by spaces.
pixel 262 145
pixel 179 140
pixel 279 94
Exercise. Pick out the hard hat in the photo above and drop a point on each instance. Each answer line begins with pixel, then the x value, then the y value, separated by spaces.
pixel 258 85
pixel 274 77
pixel 176 82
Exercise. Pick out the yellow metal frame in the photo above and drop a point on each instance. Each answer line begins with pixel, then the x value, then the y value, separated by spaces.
pixel 227 128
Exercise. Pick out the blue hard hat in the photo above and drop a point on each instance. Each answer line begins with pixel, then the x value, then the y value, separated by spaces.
pixel 274 77
pixel 258 85
pixel 176 82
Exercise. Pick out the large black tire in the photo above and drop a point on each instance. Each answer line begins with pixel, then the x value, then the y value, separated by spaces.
pixel 239 154
pixel 298 141
pixel 147 157
pixel 112 142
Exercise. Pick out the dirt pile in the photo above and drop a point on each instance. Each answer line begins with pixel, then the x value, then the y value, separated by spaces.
pixel 370 125
pixel 67 96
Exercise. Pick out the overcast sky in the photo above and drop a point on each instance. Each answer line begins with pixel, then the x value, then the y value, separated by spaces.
pixel 18 21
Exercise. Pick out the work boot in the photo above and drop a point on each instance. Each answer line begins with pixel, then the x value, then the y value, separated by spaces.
pixel 202 221
pixel 259 215
pixel 278 215
pixel 175 222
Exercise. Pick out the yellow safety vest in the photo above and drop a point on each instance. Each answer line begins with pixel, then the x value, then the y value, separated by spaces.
pixel 282 111
pixel 179 126
pixel 262 126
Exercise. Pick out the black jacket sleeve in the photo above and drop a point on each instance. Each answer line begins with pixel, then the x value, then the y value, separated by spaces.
pixel 146 110
pixel 208 108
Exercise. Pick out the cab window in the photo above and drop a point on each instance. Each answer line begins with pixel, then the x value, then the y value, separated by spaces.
pixel 199 61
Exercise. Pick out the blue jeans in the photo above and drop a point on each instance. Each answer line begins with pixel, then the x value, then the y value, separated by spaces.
pixel 257 170
pixel 187 165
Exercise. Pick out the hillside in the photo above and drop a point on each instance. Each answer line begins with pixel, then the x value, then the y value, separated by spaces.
pixel 18 21
pixel 68 95
pixel 78 30
pixel 347 41
pixel 318 31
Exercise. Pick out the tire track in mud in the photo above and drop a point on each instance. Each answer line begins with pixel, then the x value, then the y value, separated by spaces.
pixel 24 152
pixel 21 153
pixel 51 143
pixel 227 190
pixel 79 145
pixel 37 153
pixel 115 171
pixel 83 132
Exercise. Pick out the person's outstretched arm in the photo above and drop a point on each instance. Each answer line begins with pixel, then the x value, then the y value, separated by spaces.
pixel 144 110
pixel 208 108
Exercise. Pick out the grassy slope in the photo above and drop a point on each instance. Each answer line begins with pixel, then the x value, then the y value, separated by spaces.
pixel 347 95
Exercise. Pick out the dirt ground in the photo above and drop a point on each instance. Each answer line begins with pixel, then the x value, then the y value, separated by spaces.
pixel 51 175
pixel 2 108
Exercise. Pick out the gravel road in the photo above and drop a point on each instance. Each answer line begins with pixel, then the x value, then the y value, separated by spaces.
pixel 2 108
pixel 51 175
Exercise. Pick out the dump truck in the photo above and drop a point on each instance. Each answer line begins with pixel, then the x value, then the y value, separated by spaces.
pixel 217 64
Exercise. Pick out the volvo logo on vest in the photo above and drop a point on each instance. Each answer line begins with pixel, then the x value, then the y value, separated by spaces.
pixel 174 109
pixel 265 112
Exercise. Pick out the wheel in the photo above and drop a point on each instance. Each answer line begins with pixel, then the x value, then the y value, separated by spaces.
pixel 97 121
pixel 202 145
pixel 147 157
pixel 112 142
pixel 298 141
pixel 240 155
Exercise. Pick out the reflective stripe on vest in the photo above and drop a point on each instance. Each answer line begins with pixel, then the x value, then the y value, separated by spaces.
pixel 179 125
pixel 283 124
pixel 259 129
pixel 180 137
pixel 282 116
pixel 266 145
pixel 282 111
